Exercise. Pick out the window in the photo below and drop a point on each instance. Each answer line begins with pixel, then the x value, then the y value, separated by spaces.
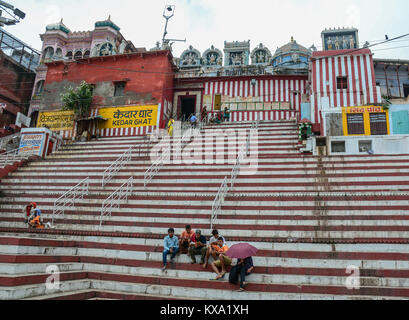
pixel 58 53
pixel 338 146
pixel 78 55
pixel 342 83
pixel 48 53
pixel 406 90
pixel 69 55
pixel 217 102
pixel 87 54
pixel 119 89
pixel 355 123
pixel 40 87
pixel 365 146
pixel 378 124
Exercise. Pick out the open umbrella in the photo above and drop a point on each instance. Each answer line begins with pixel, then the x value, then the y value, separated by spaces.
pixel 241 251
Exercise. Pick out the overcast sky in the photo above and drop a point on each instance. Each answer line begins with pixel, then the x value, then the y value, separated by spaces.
pixel 207 22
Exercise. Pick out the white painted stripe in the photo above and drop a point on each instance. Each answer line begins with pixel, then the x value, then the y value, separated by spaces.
pixel 206 88
pixel 261 91
pixel 231 89
pixel 271 90
pixel 351 84
pixel 240 116
pixel 241 88
pixel 363 88
pixel 236 88
pixel 324 77
pixel 287 91
pixel 282 89
pixel 313 107
pixel 357 82
pixel 276 91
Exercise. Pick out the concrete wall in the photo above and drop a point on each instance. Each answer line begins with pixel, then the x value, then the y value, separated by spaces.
pixel 398 144
pixel 393 109
pixel 148 77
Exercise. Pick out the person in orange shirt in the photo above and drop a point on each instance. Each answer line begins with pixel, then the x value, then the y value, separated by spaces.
pixel 185 239
pixel 224 261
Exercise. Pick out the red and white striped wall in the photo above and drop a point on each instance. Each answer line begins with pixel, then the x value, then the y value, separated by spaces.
pixel 269 88
pixel 357 66
pixel 243 116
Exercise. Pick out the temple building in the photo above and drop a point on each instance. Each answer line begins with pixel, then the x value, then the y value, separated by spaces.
pixel 61 44
pixel 253 84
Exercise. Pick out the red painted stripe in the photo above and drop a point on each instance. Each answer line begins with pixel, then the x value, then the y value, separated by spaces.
pixel 354 87
pixel 360 88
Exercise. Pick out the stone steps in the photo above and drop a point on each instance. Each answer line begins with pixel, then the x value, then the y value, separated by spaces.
pixel 275 271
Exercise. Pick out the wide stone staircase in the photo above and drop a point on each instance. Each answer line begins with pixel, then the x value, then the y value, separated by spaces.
pixel 312 219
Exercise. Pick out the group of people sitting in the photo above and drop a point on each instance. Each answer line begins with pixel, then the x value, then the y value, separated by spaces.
pixel 195 244
pixel 33 217
pixel 219 117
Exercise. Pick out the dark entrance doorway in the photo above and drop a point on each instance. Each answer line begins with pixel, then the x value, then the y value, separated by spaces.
pixel 187 106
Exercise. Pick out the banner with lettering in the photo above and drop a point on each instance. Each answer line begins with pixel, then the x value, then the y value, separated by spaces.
pixel 129 117
pixel 57 120
pixel 31 144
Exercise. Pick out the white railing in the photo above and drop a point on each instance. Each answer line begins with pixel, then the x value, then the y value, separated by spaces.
pixel 236 168
pixel 115 167
pixel 218 201
pixel 156 167
pixel 10 157
pixel 68 199
pixel 115 199
pixel 228 185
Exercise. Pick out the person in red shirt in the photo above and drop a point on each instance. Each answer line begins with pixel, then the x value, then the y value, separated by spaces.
pixel 185 239
pixel 29 211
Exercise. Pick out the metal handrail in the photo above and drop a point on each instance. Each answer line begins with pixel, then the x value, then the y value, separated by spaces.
pixel 116 166
pixel 227 186
pixel 11 157
pixel 114 200
pixel 160 162
pixel 218 201
pixel 68 199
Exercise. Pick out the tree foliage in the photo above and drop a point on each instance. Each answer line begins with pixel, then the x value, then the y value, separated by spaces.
pixel 78 99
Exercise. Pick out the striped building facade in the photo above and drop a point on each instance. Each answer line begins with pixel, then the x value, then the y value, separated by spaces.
pixel 265 92
pixel 328 72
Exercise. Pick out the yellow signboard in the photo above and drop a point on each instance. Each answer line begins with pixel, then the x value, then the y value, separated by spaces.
pixel 129 117
pixel 57 120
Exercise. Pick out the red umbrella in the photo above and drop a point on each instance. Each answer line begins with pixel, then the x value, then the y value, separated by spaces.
pixel 241 251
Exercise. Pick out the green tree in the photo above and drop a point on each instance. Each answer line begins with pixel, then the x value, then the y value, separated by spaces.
pixel 78 99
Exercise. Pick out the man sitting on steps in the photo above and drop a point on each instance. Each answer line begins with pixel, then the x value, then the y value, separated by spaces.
pixel 213 244
pixel 185 237
pixel 224 261
pixel 198 246
pixel 171 246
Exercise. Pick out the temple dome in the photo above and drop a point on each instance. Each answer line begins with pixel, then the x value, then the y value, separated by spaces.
pixel 107 23
pixel 290 58
pixel 60 26
pixel 292 47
